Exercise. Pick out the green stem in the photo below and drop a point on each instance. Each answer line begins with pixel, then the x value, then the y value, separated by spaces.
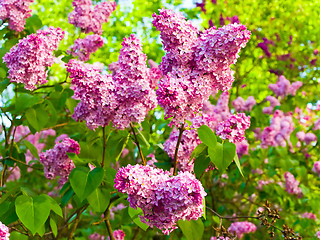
pixel 144 162
pixel 104 145
pixel 181 129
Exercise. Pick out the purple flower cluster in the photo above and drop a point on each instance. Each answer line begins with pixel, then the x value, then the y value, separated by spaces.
pixel 283 87
pixel 132 80
pixel 16 11
pixel 292 185
pixel 194 67
pixel 242 148
pixel 244 106
pixel 189 141
pixel 163 199
pixel 279 130
pixel 265 46
pixel 124 97
pixel 95 92
pixel 89 18
pixel 27 60
pixel 82 48
pixel 240 228
pixel 307 138
pixel 273 103
pixel 118 235
pixel 4 232
pixel 56 161
pixel 318 234
pixel 221 110
pixel 309 215
pixel 316 168
pixel 233 128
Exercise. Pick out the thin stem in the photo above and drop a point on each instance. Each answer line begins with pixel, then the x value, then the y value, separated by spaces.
pixel 235 217
pixel 144 162
pixel 104 145
pixel 181 129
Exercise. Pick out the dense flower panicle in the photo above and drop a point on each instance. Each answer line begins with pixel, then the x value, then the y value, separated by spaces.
pixel 132 85
pixel 118 235
pixel 17 11
pixel 318 234
pixel 155 74
pixel 56 161
pixel 283 87
pixel 89 18
pixel 27 60
pixel 244 106
pixel 216 50
pixel 306 137
pixel 316 168
pixel 316 125
pixel 189 141
pixel 194 67
pixel 292 185
pixel 234 128
pixel 242 148
pixel 4 232
pixel 96 236
pixel 95 92
pixel 82 48
pixel 309 215
pixel 163 199
pixel 278 134
pixel 273 103
pixel 240 228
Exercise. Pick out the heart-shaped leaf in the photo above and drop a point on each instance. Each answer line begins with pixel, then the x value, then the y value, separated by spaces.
pixel 207 136
pixel 33 212
pixel 134 214
pixel 99 199
pixel 199 149
pixel 192 230
pixel 84 182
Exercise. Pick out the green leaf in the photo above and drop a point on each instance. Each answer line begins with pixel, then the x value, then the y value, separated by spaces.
pixel 199 149
pixel 99 199
pixel 54 206
pixel 229 152
pixel 54 227
pixel 134 214
pixel 207 136
pixel 201 163
pixel 222 155
pixel 3 73
pixel 204 215
pixel 216 155
pixel 33 212
pixel 25 101
pixel 236 160
pixel 31 148
pixel 66 197
pixel 37 117
pixel 192 230
pixel 17 236
pixel 84 182
pixel 31 116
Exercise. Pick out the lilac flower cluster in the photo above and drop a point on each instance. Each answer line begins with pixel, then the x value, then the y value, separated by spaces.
pixel 307 138
pixel 16 11
pixel 118 235
pixel 56 161
pixel 4 232
pixel 89 18
pixel 221 110
pixel 82 48
pixel 309 215
pixel 133 92
pixel 27 60
pixel 163 199
pixel 242 148
pixel 240 228
pixel 283 87
pixel 95 92
pixel 124 97
pixel 194 67
pixel 316 125
pixel 189 141
pixel 233 128
pixel 265 46
pixel 292 185
pixel 244 106
pixel 279 131
pixel 316 168
pixel 273 103
pixel 318 234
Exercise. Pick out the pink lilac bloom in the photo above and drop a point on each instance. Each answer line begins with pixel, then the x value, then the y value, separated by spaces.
pixel 309 138
pixel 189 141
pixel 118 235
pixel 316 125
pixel 316 168
pixel 164 200
pixel 95 92
pixel 221 111
pixel 283 87
pixel 16 11
pixel 273 103
pixel 155 74
pixel 133 92
pixel 96 236
pixel 4 232
pixel 309 216
pixel 239 228
pixel 27 61
pixel 242 148
pixel 194 67
pixel 243 106
pixel 261 183
pixel 82 48
pixel 117 208
pixel 233 128
pixel 89 18
pixel 278 134
pixel 318 234
pixel 56 161
pixel 292 185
